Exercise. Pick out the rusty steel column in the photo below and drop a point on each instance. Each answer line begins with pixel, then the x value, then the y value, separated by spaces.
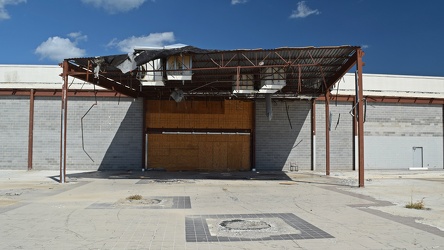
pixel 359 65
pixel 63 123
pixel 31 128
pixel 313 134
pixel 327 132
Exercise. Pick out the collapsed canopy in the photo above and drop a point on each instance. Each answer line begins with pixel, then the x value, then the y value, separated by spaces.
pixel 156 73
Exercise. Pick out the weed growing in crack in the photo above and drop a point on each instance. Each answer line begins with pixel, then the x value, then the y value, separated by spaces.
pixel 134 197
pixel 416 205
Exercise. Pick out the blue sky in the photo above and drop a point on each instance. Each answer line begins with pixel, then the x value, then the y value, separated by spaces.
pixel 398 37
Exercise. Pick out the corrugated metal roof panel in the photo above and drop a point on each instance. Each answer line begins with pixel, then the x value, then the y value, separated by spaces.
pixel 308 70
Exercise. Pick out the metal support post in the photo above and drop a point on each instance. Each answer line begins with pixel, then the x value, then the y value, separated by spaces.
pixel 359 65
pixel 63 123
pixel 327 132
pixel 313 134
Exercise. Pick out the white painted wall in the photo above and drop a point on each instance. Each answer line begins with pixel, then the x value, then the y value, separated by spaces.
pixel 396 152
pixel 393 86
pixel 48 77
pixel 37 77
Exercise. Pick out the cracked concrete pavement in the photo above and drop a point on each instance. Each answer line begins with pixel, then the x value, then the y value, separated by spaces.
pixel 36 212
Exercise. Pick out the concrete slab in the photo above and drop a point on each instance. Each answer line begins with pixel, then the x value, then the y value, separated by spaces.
pixel 36 212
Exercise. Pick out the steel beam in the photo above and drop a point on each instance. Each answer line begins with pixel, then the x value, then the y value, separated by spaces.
pixel 58 93
pixel 344 69
pixel 388 99
pixel 104 81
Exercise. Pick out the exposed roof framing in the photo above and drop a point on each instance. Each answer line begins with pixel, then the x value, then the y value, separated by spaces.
pixel 57 92
pixel 308 71
pixel 386 99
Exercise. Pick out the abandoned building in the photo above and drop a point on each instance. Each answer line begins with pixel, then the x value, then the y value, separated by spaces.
pixel 189 109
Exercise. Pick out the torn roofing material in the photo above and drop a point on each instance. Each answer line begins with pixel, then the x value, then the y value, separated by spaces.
pixel 140 57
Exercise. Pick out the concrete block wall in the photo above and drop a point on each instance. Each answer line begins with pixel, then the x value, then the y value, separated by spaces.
pixel 277 143
pixel 341 136
pixel 112 133
pixel 14 116
pixel 46 145
pixel 393 131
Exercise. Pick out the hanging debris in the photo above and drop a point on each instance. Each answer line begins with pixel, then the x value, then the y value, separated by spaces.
pixel 268 107
pixel 288 115
pixel 81 123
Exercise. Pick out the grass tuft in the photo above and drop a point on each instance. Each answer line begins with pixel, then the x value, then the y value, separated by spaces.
pixel 134 197
pixel 416 205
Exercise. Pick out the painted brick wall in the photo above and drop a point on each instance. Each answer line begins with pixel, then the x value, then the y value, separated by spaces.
pixel 14 116
pixel 277 144
pixel 385 119
pixel 392 131
pixel 341 136
pixel 112 132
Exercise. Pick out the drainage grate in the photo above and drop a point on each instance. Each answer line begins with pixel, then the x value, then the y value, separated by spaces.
pixel 250 227
pixel 158 202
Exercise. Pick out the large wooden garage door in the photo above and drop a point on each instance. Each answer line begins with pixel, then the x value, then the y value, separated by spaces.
pixel 199 135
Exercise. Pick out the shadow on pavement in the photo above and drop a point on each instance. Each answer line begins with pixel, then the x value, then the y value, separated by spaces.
pixel 164 175
pixel 315 178
pixel 309 178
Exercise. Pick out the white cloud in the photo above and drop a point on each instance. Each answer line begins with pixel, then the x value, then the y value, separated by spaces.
pixel 365 46
pixel 234 2
pixel 151 40
pixel 115 6
pixel 303 11
pixel 58 48
pixel 77 36
pixel 3 13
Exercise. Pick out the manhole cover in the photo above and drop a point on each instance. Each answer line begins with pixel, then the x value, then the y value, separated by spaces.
pixel 244 224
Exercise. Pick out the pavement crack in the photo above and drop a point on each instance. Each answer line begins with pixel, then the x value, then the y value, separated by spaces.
pixel 67 218
pixel 67 226
pixel 118 214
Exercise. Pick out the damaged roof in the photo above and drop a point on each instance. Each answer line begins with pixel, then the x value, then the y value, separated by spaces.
pixel 285 72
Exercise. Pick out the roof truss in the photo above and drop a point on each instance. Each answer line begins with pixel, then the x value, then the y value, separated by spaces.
pixel 308 71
